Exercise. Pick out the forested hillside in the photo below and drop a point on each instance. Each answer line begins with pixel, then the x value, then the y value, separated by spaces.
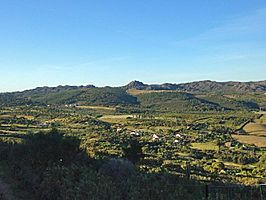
pixel 196 96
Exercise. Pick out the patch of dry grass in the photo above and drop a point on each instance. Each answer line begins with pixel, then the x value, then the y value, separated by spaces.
pixel 137 92
pixel 251 139
pixel 256 128
pixel 205 146
pixel 115 118
pixel 97 107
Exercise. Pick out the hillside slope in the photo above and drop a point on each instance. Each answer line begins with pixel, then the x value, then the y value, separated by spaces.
pixel 176 101
pixel 81 95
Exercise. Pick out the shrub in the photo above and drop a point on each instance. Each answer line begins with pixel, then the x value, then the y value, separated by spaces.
pixel 133 152
pixel 31 158
pixel 118 169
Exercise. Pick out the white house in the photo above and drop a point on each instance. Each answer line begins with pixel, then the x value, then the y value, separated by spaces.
pixel 133 133
pixel 155 137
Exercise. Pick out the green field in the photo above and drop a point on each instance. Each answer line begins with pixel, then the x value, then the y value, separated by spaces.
pixel 205 146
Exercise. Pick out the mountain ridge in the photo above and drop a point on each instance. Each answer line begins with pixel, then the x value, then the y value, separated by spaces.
pixel 203 86
pixel 198 95
pixel 194 86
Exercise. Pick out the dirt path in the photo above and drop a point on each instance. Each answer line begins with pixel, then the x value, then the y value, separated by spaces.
pixel 5 191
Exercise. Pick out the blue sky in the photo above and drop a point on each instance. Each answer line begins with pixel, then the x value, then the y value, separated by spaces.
pixel 112 42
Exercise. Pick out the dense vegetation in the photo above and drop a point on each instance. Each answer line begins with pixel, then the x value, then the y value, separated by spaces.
pixel 173 101
pixel 53 166
pixel 79 95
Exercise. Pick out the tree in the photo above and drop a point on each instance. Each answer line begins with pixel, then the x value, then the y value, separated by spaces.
pixel 133 151
pixel 262 161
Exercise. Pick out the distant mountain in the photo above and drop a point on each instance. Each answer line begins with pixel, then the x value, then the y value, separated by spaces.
pixel 203 86
pixel 136 85
pixel 224 87
pixel 194 96
pixel 60 88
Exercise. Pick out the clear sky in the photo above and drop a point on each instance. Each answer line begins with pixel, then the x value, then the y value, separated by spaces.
pixel 112 42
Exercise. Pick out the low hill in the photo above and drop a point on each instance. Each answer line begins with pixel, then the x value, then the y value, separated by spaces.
pixel 232 102
pixel 176 101
pixel 71 95
pixel 106 96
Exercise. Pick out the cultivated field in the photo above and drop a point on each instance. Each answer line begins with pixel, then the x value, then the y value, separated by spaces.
pixel 256 132
pixel 251 139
